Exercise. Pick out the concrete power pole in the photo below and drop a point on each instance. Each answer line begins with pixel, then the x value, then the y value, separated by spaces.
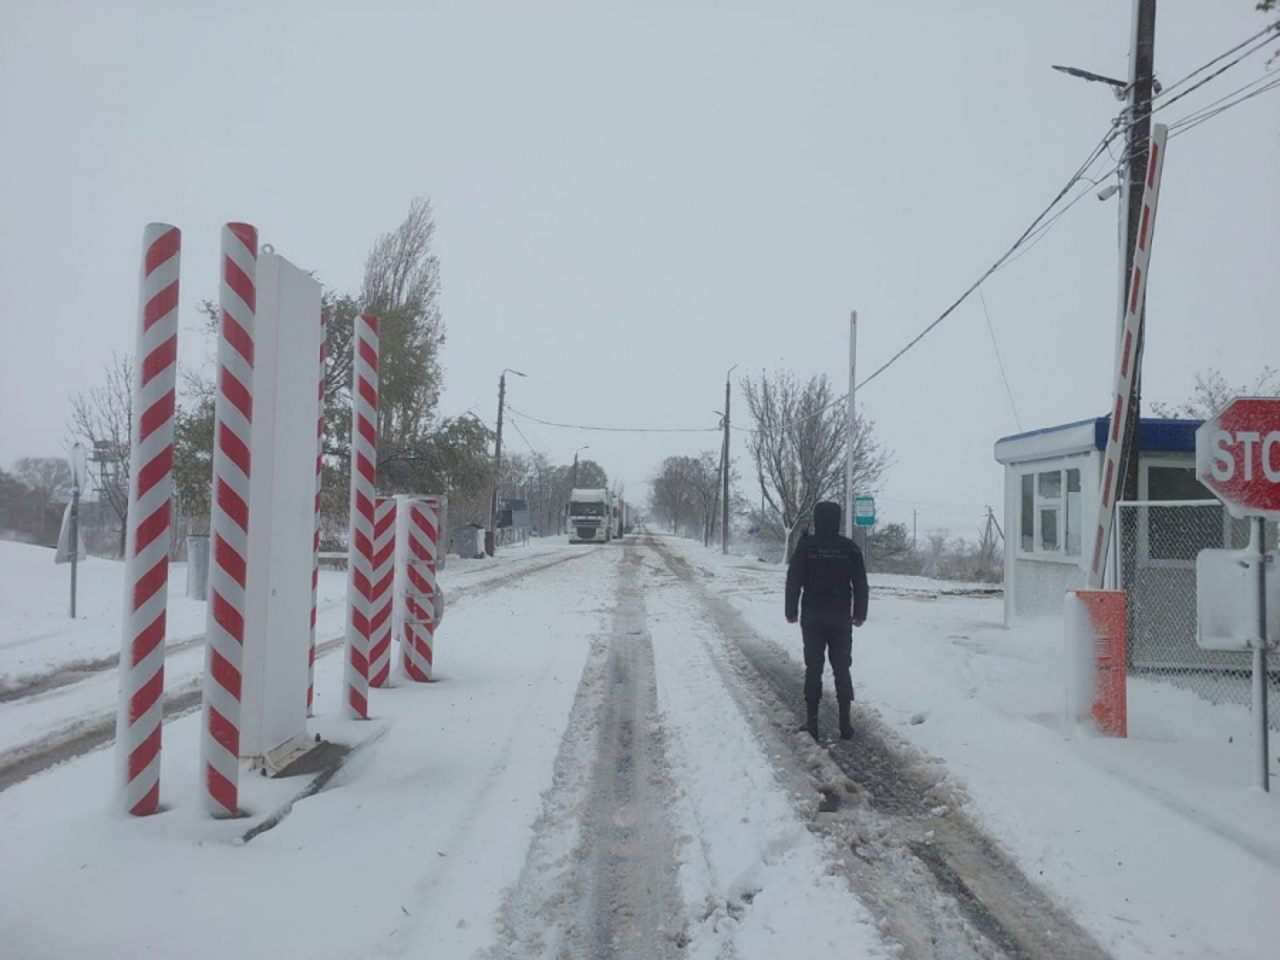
pixel 724 506
pixel 490 536
pixel 1138 118
pixel 848 456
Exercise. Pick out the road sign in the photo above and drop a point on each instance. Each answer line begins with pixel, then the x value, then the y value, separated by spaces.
pixel 1227 583
pixel 1238 456
pixel 864 511
pixel 78 468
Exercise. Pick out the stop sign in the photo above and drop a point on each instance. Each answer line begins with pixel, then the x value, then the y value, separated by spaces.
pixel 1238 456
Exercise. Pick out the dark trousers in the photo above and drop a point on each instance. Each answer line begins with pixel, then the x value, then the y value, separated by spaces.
pixel 835 640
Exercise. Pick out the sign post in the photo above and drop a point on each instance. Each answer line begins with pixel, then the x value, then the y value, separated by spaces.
pixel 1238 459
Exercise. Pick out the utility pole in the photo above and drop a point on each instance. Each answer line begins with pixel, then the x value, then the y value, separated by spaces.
pixel 913 528
pixel 724 468
pixel 848 456
pixel 1138 118
pixel 490 537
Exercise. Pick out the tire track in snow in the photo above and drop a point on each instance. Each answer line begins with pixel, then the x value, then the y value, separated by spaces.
pixel 32 686
pixel 924 872
pixel 600 879
pixel 94 731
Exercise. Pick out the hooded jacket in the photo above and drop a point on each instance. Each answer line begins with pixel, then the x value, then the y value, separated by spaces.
pixel 827 580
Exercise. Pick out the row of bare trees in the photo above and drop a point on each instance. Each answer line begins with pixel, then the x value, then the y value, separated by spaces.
pixel 685 493
pixel 797 443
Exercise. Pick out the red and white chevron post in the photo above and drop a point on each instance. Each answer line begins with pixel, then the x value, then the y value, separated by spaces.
pixel 140 715
pixel 420 558
pixel 364 465
pixel 315 546
pixel 383 597
pixel 229 523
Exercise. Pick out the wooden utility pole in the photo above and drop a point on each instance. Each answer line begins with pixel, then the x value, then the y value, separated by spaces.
pixel 1138 118
pixel 724 466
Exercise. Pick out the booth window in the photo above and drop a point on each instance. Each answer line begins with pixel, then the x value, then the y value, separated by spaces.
pixel 1051 512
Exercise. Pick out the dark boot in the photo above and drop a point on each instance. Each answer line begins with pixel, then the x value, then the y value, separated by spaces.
pixel 846 728
pixel 811 721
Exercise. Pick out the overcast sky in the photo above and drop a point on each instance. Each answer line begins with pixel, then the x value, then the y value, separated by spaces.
pixel 633 197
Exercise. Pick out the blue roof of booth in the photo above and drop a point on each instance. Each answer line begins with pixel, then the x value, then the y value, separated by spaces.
pixel 1155 435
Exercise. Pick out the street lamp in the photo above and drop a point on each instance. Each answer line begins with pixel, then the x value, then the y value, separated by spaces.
pixel 586 446
pixel 490 537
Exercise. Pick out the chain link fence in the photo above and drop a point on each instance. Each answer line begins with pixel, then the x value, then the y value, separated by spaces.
pixel 1158 544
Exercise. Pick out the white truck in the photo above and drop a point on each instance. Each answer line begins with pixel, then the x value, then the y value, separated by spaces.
pixel 590 516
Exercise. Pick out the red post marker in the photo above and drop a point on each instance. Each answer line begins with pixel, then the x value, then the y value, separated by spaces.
pixel 364 465
pixel 229 523
pixel 140 715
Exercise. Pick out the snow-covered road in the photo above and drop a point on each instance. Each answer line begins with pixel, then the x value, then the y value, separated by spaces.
pixel 608 767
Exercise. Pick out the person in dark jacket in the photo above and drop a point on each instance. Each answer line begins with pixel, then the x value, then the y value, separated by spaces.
pixel 827 592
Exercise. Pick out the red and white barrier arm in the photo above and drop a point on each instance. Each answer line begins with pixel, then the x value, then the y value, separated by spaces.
pixel 1128 361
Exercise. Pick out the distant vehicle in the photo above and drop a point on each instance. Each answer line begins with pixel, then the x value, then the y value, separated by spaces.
pixel 590 515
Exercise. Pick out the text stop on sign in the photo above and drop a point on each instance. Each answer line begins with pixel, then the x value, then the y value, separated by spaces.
pixel 1238 456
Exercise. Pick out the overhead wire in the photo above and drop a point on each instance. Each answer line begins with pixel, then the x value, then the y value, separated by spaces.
pixel 1004 376
pixel 1039 226
pixel 603 429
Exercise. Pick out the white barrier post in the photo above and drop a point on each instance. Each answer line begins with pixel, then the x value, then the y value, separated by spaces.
pixel 315 550
pixel 140 716
pixel 382 598
pixel 229 523
pixel 364 461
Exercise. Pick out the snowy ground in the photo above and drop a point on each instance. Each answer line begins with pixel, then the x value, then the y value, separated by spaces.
pixel 608 766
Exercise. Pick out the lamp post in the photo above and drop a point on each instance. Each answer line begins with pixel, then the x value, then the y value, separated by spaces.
pixel 575 463
pixel 490 537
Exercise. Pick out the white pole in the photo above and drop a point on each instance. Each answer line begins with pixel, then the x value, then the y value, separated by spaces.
pixel 1261 734
pixel 848 458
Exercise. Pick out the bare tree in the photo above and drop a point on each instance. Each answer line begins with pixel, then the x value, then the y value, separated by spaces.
pixel 101 420
pixel 1211 392
pixel 799 445
pixel 935 551
pixel 673 491
pixel 47 478
pixel 402 288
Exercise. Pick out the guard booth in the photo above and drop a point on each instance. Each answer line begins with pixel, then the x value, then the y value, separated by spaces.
pixel 1052 480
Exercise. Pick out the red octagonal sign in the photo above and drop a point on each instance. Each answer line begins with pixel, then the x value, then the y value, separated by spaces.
pixel 1238 456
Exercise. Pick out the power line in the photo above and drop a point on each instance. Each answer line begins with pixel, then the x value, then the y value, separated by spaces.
pixel 1270 28
pixel 600 429
pixel 1193 121
pixel 990 329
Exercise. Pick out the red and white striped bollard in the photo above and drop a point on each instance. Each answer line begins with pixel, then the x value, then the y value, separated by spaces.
pixel 140 716
pixel 420 554
pixel 229 523
pixel 364 482
pixel 383 596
